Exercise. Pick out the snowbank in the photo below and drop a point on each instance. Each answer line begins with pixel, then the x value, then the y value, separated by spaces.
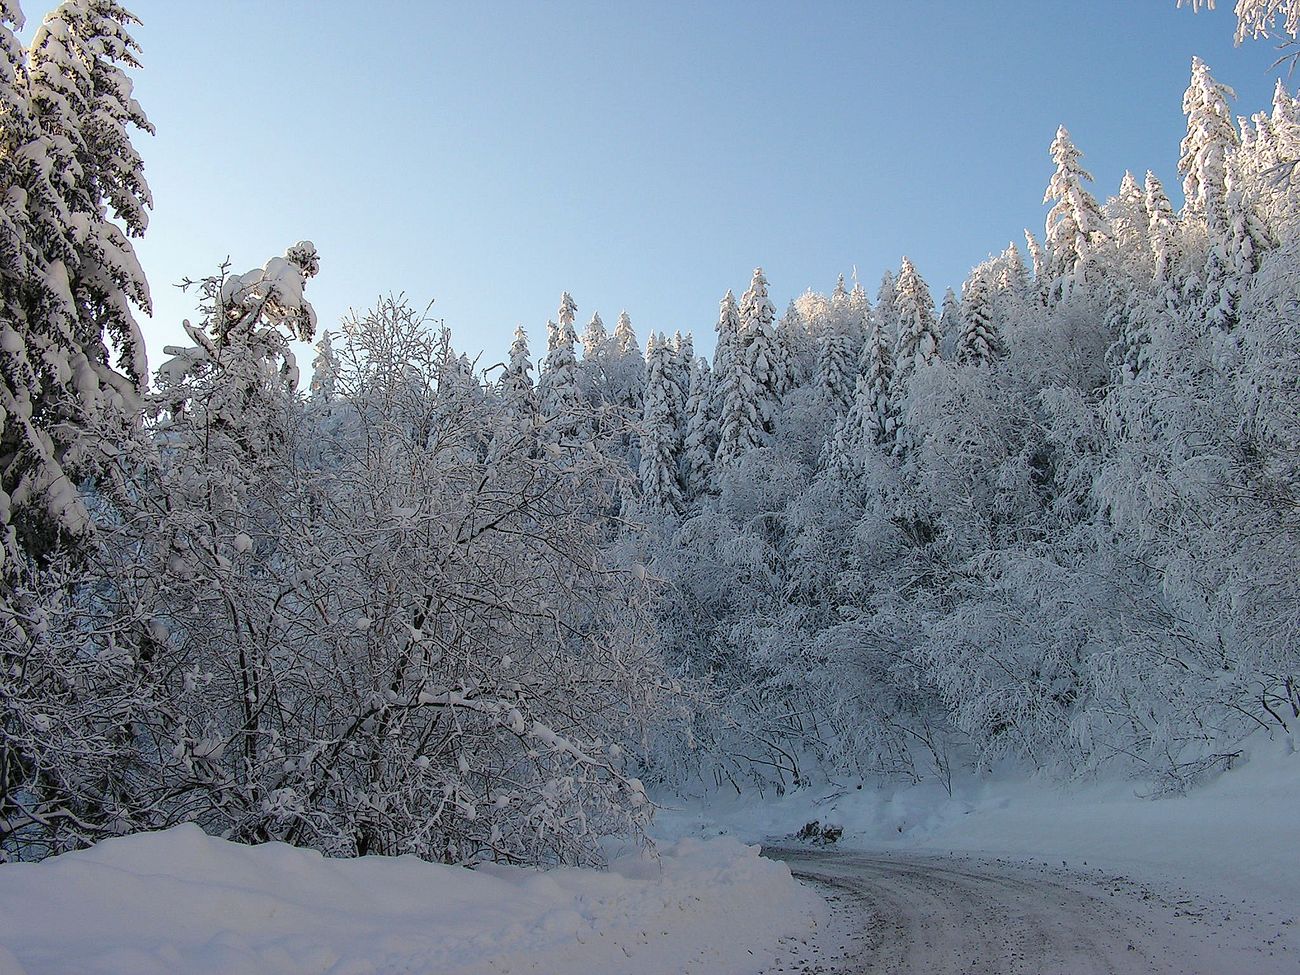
pixel 180 901
pixel 1235 836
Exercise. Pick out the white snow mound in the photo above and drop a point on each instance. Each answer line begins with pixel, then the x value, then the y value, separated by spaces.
pixel 181 901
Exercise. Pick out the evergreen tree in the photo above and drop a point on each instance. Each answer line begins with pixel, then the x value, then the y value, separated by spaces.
pixel 324 370
pixel 517 390
pixel 979 342
pixel 660 433
pixel 918 334
pixel 1038 257
pixel 886 310
pixel 701 430
pixel 950 324
pixel 72 189
pixel 836 366
pixel 627 367
pixel 593 370
pixel 1076 228
pixel 1165 238
pixel 558 389
pixel 759 342
pixel 740 427
pixel 1210 140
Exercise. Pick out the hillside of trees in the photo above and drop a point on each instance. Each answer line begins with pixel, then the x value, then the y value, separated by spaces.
pixel 404 601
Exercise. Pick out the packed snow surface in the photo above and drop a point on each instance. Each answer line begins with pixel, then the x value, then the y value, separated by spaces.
pixel 181 901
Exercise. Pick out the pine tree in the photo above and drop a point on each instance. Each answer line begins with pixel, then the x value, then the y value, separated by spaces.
pixel 836 366
pixel 740 427
pixel 979 342
pixel 1210 140
pixel 1076 228
pixel 1130 223
pixel 886 310
pixel 918 334
pixel 760 345
pixel 70 181
pixel 517 391
pixel 950 323
pixel 1040 261
pixel 660 432
pixel 1012 275
pixel 324 370
pixel 870 420
pixel 627 368
pixel 559 394
pixel 701 430
pixel 1165 238
pixel 593 370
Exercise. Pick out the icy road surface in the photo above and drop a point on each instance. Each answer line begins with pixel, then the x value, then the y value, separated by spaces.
pixel 903 913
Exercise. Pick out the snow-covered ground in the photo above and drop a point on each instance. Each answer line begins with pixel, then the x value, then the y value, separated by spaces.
pixel 1232 841
pixel 180 901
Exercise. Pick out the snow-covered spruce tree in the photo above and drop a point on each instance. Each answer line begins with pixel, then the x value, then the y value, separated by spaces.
pixel 918 335
pixel 701 431
pixel 518 394
pixel 886 310
pixel 1012 277
pixel 760 347
pixel 978 342
pixel 324 369
pixel 1039 259
pixel 71 176
pixel 1211 138
pixel 836 365
pixel 593 370
pixel 1165 238
pixel 871 419
pixel 1077 231
pixel 949 324
pixel 558 391
pixel 740 427
pixel 661 434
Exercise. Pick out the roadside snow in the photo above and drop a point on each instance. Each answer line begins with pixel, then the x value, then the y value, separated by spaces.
pixel 1231 840
pixel 180 901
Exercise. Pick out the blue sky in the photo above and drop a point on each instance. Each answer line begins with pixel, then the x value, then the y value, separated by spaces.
pixel 645 156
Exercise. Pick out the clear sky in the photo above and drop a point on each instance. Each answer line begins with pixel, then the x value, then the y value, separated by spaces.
pixel 645 156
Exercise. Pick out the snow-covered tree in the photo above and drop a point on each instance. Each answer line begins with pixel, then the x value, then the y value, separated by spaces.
pixel 918 334
pixel 1077 230
pixel 324 369
pixel 760 345
pixel 517 390
pixel 740 425
pixel 978 342
pixel 1211 138
pixel 559 394
pixel 701 430
pixel 661 433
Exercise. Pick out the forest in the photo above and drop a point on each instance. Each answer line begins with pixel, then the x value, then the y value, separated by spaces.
pixel 400 599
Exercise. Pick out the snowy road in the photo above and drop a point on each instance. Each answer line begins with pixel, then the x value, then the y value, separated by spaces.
pixel 905 913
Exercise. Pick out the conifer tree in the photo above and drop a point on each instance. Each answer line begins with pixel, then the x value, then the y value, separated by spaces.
pixel 627 366
pixel 1210 140
pixel 918 335
pixel 324 370
pixel 886 310
pixel 740 427
pixel 558 388
pixel 701 430
pixel 594 367
pixel 1165 238
pixel 1012 275
pixel 950 324
pixel 836 366
pixel 517 390
pixel 1076 228
pixel 660 433
pixel 72 189
pixel 1039 259
pixel 760 343
pixel 979 342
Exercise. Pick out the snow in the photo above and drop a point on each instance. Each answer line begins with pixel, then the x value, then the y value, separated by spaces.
pixel 1232 839
pixel 178 900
